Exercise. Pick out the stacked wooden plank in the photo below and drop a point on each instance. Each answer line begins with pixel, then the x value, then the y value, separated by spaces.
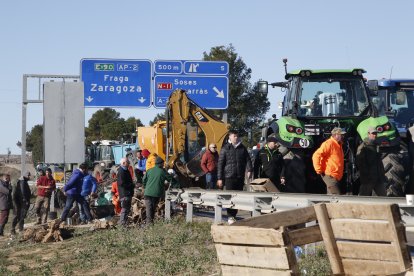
pixel 364 239
pixel 360 239
pixel 264 245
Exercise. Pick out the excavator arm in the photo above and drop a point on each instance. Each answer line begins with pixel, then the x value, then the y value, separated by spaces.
pixel 190 128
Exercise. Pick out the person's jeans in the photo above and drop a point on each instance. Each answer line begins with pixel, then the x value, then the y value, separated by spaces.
pixel 126 207
pixel 211 180
pixel 70 199
pixel 150 206
pixel 82 214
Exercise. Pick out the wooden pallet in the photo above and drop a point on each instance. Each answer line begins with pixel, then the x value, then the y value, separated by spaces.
pixel 264 245
pixel 364 239
pixel 360 239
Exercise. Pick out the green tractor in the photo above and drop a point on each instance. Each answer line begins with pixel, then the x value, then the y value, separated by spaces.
pixel 316 101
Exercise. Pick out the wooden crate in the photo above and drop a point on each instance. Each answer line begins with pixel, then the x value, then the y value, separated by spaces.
pixel 264 245
pixel 364 239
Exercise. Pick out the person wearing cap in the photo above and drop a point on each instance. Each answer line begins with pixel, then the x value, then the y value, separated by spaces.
pixel 154 182
pixel 208 164
pixel 6 202
pixel 328 161
pixel 269 163
pixel 45 186
pixel 73 189
pixel 371 169
pixel 125 190
pixel 21 202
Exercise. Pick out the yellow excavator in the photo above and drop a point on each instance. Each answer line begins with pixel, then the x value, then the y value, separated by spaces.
pixel 182 139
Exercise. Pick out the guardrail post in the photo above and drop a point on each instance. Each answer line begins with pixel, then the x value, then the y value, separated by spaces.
pixel 256 208
pixel 218 213
pixel 167 208
pixel 189 215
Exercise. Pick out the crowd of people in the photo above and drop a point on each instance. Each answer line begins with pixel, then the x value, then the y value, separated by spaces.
pixel 228 169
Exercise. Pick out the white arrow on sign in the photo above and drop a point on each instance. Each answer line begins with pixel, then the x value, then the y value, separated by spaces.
pixel 89 99
pixel 141 100
pixel 220 93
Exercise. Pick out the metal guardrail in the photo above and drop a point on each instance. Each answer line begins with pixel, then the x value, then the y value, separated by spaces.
pixel 266 202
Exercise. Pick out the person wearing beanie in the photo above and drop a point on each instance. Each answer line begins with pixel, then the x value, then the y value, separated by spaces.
pixel 155 181
pixel 45 186
pixel 269 164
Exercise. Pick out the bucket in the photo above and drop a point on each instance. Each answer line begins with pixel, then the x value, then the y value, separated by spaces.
pixel 52 215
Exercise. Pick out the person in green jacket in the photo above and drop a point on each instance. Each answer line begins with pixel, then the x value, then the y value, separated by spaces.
pixel 154 182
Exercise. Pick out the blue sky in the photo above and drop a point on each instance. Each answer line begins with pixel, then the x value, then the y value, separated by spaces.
pixel 51 37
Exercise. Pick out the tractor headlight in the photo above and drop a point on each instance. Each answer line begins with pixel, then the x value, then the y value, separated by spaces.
pixel 304 73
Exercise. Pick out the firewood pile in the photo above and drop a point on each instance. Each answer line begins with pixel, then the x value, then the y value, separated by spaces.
pixel 52 232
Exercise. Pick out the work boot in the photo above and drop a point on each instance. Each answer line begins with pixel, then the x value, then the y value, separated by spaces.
pixel 13 231
pixel 39 221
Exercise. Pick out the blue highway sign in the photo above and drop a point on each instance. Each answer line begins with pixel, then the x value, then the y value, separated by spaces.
pixel 206 82
pixel 206 67
pixel 168 67
pixel 117 83
pixel 206 91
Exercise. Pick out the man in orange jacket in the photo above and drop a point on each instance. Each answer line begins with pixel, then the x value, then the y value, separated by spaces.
pixel 328 161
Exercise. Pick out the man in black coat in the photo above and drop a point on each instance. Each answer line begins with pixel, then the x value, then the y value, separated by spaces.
pixel 21 202
pixel 269 164
pixel 233 162
pixel 125 190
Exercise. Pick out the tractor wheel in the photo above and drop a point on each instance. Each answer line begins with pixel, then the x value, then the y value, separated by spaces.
pixel 396 163
pixel 295 172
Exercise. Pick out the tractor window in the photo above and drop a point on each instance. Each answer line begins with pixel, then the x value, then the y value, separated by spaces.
pixel 106 153
pixel 380 102
pixel 402 103
pixel 332 97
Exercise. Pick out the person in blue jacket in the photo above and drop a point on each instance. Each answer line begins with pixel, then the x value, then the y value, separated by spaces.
pixel 73 189
pixel 89 187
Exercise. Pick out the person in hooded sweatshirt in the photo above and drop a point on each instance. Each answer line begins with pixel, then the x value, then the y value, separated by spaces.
pixel 73 189
pixel 371 169
pixel 21 202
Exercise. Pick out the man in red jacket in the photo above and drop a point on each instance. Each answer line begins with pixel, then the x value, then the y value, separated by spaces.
pixel 209 166
pixel 45 186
